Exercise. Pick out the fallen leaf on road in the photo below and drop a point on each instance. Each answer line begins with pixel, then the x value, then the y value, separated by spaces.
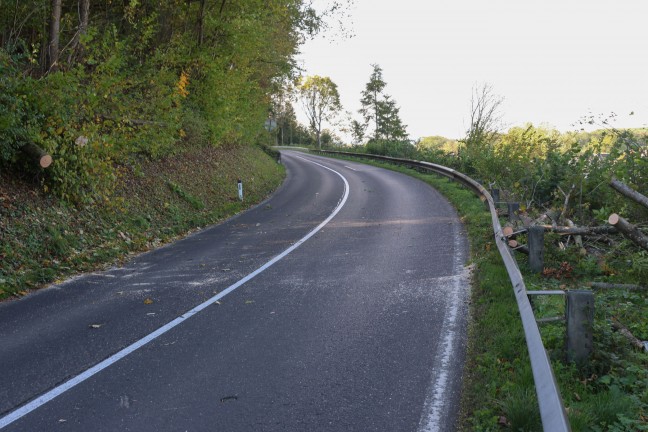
pixel 225 269
pixel 148 301
pixel 249 301
pixel 229 398
pixel 95 326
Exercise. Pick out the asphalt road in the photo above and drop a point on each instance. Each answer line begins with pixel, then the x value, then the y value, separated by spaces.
pixel 359 328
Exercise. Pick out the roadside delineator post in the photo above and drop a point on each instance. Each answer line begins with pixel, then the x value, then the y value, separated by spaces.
pixel 240 189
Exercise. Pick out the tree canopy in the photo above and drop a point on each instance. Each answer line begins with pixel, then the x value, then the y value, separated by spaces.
pixel 320 100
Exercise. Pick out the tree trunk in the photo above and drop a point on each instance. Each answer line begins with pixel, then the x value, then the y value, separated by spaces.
pixel 37 154
pixel 53 46
pixel 628 192
pixel 629 230
pixel 583 231
pixel 201 22
pixel 84 19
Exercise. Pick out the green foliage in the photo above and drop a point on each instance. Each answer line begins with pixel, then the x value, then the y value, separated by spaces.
pixel 142 80
pixel 321 100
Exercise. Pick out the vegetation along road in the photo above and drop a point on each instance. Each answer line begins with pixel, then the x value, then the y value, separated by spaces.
pixel 338 304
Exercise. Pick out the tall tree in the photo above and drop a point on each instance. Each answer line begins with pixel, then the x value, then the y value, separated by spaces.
pixel 320 100
pixel 380 110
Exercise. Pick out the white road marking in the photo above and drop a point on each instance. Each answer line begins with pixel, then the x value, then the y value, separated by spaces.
pixel 57 391
pixel 352 169
pixel 436 407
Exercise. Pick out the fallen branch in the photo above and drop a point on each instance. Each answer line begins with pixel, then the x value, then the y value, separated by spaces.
pixel 604 285
pixel 628 192
pixel 628 334
pixel 583 231
pixel 566 203
pixel 629 230
pixel 37 154
pixel 578 239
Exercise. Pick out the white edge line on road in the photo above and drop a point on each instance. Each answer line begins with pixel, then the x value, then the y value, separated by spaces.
pixel 352 169
pixel 57 391
pixel 436 409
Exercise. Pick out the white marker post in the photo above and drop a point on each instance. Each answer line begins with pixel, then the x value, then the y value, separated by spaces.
pixel 240 190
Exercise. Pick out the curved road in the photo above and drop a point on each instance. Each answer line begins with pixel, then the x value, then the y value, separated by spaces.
pixel 359 327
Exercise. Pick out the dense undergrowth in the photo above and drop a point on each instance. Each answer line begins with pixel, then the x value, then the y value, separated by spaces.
pixel 610 393
pixel 44 238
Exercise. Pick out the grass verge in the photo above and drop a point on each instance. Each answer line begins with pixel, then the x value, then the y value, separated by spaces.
pixel 43 239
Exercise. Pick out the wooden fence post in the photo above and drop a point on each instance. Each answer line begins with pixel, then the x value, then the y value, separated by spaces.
pixel 496 196
pixel 580 317
pixel 535 236
pixel 513 209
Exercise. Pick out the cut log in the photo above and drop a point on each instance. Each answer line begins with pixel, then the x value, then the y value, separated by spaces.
pixel 513 244
pixel 629 230
pixel 507 231
pixel 628 334
pixel 583 231
pixel 628 192
pixel 37 154
pixel 604 285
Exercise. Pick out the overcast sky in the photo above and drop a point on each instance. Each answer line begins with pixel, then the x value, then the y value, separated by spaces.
pixel 553 61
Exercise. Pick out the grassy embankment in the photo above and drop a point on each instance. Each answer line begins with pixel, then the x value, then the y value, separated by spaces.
pixel 610 394
pixel 43 239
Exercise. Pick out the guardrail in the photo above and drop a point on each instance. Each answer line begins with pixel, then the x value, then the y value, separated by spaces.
pixel 552 411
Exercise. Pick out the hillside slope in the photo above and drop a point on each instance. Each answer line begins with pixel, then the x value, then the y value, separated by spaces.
pixel 43 239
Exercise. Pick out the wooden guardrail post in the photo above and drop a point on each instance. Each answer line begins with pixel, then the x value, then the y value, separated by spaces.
pixel 580 317
pixel 495 193
pixel 513 209
pixel 535 236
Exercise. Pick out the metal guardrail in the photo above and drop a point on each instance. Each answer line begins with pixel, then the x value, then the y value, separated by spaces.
pixel 552 411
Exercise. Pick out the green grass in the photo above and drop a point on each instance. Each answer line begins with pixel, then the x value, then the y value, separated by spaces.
pixel 43 240
pixel 609 394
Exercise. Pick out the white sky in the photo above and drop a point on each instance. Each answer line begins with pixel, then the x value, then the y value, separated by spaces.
pixel 553 61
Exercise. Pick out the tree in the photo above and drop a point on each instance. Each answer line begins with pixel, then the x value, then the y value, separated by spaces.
pixel 380 110
pixel 320 100
pixel 54 37
pixel 84 18
pixel 485 122
pixel 485 117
